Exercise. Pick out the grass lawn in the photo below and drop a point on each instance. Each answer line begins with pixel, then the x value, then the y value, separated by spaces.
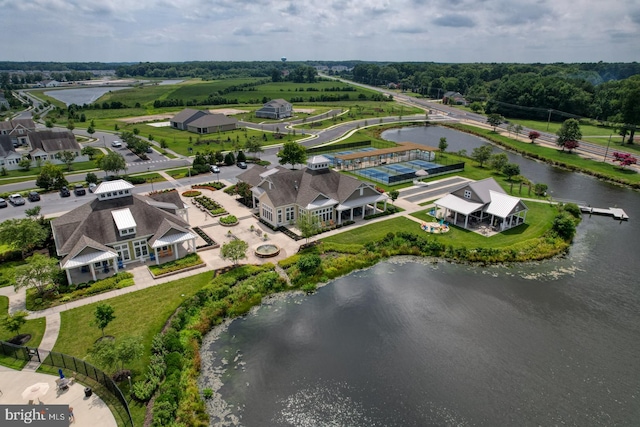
pixel 35 327
pixel 7 267
pixel 141 313
pixel 539 219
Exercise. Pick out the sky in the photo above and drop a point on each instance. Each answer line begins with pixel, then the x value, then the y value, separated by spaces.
pixel 314 30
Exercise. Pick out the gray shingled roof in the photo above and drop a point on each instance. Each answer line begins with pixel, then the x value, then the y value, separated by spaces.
pixel 481 188
pixel 93 220
pixel 186 114
pixel 303 186
pixel 212 120
pixel 6 145
pixel 51 141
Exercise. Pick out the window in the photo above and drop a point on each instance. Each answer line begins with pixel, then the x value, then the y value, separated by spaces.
pixel 140 248
pixel 467 194
pixel 267 213
pixel 289 213
pixel 279 216
pixel 127 231
pixel 123 252
pixel 324 214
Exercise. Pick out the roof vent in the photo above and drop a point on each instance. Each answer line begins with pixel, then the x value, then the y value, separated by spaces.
pixel 295 184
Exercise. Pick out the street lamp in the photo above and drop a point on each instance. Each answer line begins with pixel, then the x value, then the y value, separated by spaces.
pixel 151 178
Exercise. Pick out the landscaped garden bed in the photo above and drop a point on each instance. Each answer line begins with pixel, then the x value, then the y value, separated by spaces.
pixel 228 221
pixel 187 263
pixel 65 294
pixel 213 186
pixel 192 193
pixel 210 205
pixel 210 243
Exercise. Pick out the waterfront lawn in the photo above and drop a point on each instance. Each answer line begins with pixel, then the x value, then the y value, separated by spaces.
pixel 142 313
pixel 539 220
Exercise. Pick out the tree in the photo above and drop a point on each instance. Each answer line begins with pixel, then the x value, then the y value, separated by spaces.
pixel 39 272
pixel 22 234
pixel 89 151
pixel 241 157
pixel 481 154
pixel 67 157
pixel 570 145
pixel 253 146
pixel 292 153
pixel 14 322
pixel 229 159
pixel 495 120
pixel 48 123
pixel 442 145
pixel 497 161
pixel 625 159
pixel 476 107
pixel 33 213
pixel 308 225
pixel 234 250
pixel 51 176
pixel 569 131
pixel 533 135
pixel 112 162
pixel 511 170
pixel 91 178
pixel 393 195
pixel 517 129
pixel 128 349
pixel 71 125
pixel 25 164
pixel 91 130
pixel 103 315
pixel 219 156
pixel 564 226
pixel 540 189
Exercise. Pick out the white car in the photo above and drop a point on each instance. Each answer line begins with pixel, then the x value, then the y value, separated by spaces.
pixel 16 200
pixel 116 144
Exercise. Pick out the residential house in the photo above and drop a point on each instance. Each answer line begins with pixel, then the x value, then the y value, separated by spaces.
pixel 480 201
pixel 454 98
pixel 118 228
pixel 275 109
pixel 282 194
pixel 49 83
pixel 18 129
pixel 47 145
pixel 9 158
pixel 3 102
pixel 202 122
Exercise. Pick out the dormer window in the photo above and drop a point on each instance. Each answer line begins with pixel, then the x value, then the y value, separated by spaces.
pixel 124 221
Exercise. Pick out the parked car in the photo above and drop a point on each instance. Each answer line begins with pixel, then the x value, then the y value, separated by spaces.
pixel 64 192
pixel 3 203
pixel 92 187
pixel 149 149
pixel 79 190
pixel 215 169
pixel 16 200
pixel 242 165
pixel 34 196
pixel 116 144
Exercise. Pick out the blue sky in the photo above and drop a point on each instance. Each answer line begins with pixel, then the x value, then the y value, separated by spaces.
pixel 376 30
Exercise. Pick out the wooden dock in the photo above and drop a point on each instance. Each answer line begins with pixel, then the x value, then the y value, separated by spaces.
pixel 616 213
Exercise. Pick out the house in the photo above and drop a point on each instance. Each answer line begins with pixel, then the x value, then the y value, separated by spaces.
pixel 481 201
pixel 118 228
pixel 18 129
pixel 9 158
pixel 202 122
pixel 3 102
pixel 275 109
pixel 47 145
pixel 282 194
pixel 454 98
pixel 49 83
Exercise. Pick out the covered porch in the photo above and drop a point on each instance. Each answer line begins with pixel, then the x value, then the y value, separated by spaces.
pixel 91 266
pixel 171 247
pixel 347 209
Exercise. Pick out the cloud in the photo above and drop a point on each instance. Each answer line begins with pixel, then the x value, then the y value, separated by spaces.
pixel 454 20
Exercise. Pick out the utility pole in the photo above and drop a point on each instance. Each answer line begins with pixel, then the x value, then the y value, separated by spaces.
pixel 607 150
pixel 549 119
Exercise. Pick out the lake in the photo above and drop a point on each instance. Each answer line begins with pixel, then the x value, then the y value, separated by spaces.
pixel 81 96
pixel 411 342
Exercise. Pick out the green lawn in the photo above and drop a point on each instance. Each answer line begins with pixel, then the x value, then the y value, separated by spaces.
pixel 35 327
pixel 539 219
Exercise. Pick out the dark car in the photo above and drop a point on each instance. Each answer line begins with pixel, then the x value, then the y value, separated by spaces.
pixel 79 190
pixel 242 165
pixel 64 192
pixel 33 196
pixel 3 203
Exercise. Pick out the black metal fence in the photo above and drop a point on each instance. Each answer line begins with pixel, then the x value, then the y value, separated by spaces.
pixel 397 179
pixel 79 369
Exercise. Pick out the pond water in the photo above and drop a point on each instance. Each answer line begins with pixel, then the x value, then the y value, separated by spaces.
pixel 81 96
pixel 416 343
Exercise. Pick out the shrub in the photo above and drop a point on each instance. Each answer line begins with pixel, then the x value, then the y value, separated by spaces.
pixel 308 264
pixel 564 226
pixel 229 220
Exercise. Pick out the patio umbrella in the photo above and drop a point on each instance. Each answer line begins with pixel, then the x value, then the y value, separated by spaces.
pixel 35 391
pixel 422 172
